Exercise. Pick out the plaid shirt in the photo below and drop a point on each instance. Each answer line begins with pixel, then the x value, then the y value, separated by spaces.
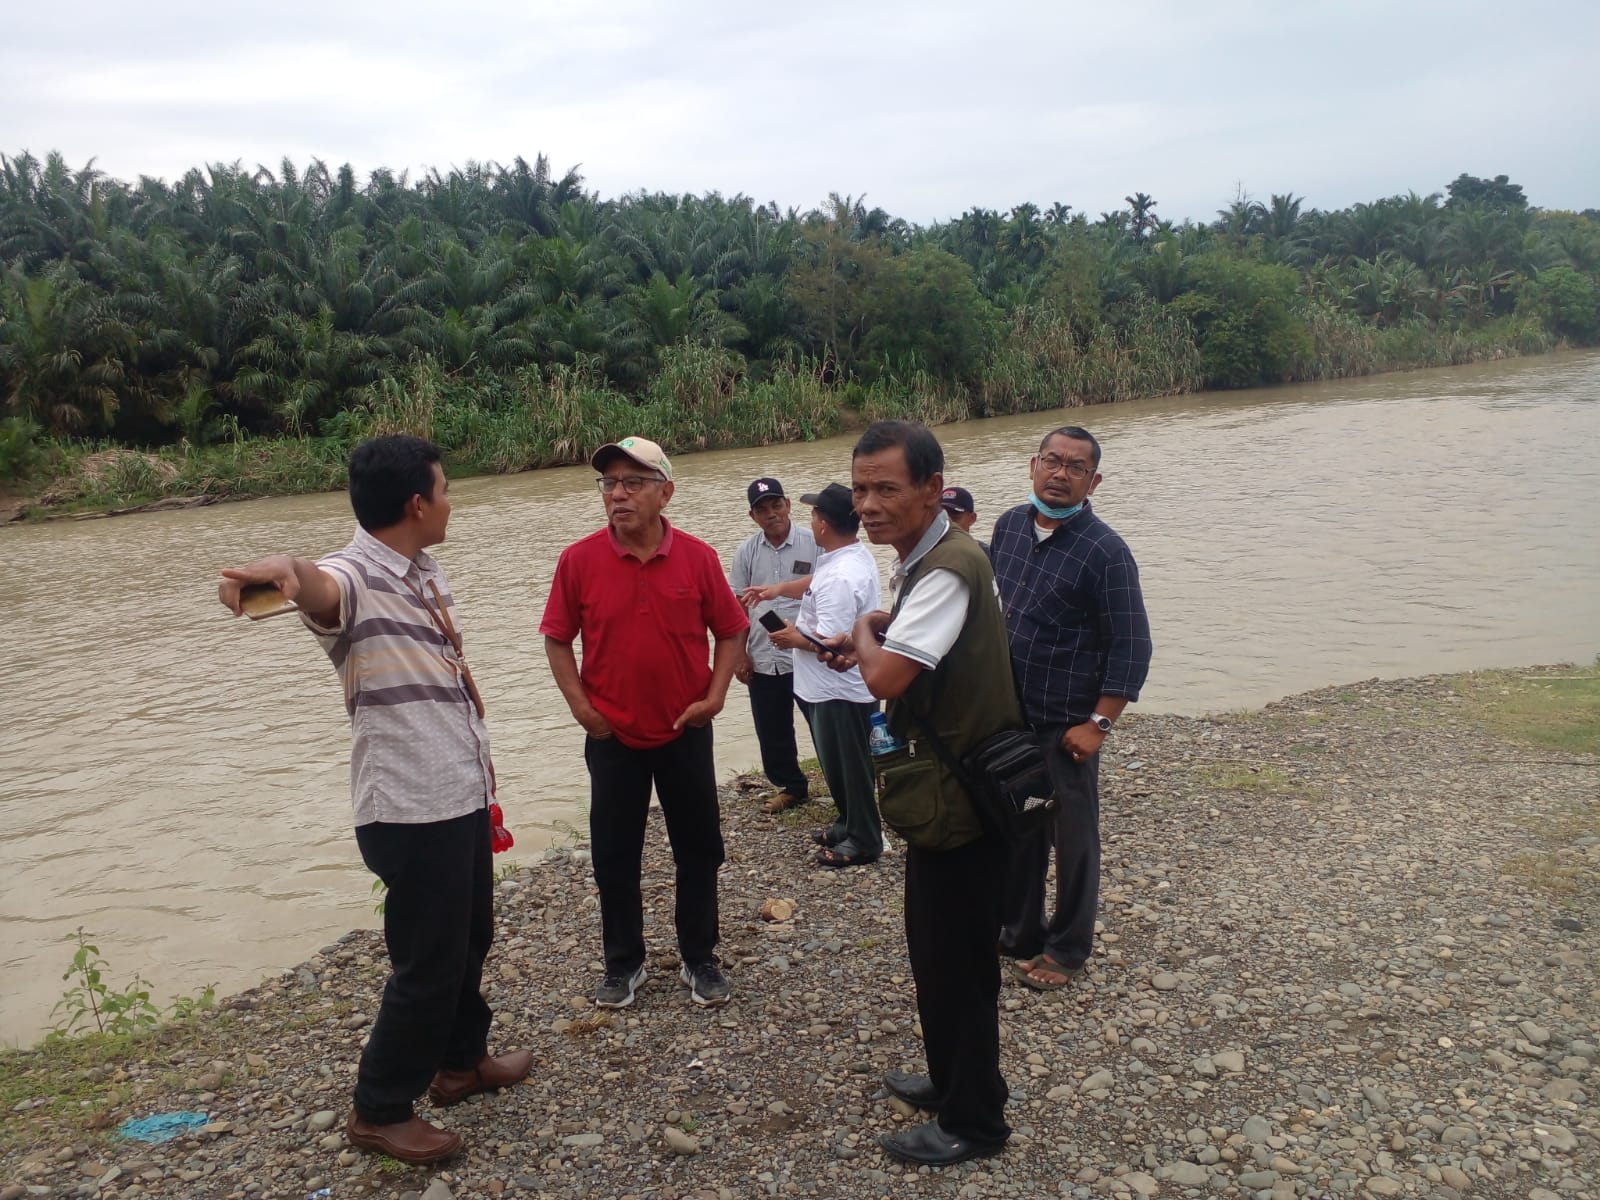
pixel 1074 614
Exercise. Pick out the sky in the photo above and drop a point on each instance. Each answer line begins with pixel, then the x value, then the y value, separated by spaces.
pixel 925 109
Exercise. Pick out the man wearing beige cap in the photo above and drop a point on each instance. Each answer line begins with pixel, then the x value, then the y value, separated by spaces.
pixel 642 596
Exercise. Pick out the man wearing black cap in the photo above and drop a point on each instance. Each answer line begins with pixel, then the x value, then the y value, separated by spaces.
pixel 838 704
pixel 780 552
pixel 957 501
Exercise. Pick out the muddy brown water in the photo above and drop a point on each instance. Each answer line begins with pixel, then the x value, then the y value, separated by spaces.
pixel 176 782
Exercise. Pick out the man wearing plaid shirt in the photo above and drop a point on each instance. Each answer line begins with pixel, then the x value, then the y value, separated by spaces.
pixel 1080 650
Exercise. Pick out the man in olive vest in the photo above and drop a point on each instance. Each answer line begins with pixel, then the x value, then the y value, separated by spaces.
pixel 940 659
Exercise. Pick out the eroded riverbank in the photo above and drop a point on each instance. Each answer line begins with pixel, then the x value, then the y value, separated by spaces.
pixel 1349 949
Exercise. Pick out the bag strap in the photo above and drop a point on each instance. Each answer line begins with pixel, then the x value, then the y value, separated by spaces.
pixel 441 618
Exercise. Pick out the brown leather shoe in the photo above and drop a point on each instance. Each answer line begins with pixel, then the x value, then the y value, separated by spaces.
pixel 778 801
pixel 413 1141
pixel 452 1087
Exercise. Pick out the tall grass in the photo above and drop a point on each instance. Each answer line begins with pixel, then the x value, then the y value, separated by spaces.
pixel 705 398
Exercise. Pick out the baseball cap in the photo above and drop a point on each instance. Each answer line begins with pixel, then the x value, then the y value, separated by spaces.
pixel 765 488
pixel 835 500
pixel 642 450
pixel 956 500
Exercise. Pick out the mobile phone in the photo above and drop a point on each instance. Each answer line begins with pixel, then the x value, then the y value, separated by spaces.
pixel 261 600
pixel 772 623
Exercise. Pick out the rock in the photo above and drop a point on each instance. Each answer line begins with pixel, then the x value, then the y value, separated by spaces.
pixel 1555 1138
pixel 583 1141
pixel 1257 1179
pixel 1187 1174
pixel 1257 1129
pixel 1231 1061
pixel 319 1122
pixel 1097 1081
pixel 1144 1185
pixel 1382 1185
pixel 437 1190
pixel 13 1191
pixel 1164 982
pixel 1537 1034
pixel 680 1142
pixel 1454 1177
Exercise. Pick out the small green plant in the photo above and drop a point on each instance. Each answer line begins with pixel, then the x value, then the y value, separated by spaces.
pixel 506 872
pixel 378 889
pixel 91 1000
pixel 185 1007
pixel 688 1123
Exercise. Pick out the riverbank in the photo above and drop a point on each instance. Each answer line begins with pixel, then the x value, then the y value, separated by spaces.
pixel 701 401
pixel 1349 948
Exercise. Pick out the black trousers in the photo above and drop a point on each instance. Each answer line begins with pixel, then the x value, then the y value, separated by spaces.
pixel 438 921
pixel 840 730
pixel 619 806
pixel 1067 935
pixel 952 916
pixel 772 705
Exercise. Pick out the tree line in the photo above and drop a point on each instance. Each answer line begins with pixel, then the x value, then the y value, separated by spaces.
pixel 234 303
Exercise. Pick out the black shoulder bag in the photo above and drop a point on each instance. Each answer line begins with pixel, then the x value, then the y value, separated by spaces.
pixel 1006 777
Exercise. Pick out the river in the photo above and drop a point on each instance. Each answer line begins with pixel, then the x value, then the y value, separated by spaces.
pixel 175 781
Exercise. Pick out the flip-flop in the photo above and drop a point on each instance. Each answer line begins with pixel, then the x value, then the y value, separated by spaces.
pixel 843 855
pixel 1043 962
pixel 826 837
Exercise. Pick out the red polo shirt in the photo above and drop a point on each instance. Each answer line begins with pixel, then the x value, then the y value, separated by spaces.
pixel 643 625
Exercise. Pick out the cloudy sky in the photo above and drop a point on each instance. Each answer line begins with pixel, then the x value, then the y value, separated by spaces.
pixel 926 108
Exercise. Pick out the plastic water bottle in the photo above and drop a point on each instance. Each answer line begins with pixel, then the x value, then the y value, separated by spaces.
pixel 881 740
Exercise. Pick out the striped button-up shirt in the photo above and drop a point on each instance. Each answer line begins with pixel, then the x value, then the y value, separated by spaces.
pixel 420 751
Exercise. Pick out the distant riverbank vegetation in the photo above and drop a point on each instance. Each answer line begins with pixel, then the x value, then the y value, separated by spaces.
pixel 233 332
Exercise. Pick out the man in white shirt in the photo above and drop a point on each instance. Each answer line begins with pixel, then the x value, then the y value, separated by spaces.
pixel 780 552
pixel 837 704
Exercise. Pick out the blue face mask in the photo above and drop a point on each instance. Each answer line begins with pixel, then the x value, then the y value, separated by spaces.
pixel 1055 514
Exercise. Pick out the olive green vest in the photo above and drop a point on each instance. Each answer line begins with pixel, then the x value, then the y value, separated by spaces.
pixel 970 695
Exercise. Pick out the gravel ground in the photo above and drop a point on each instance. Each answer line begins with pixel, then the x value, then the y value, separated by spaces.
pixel 1348 949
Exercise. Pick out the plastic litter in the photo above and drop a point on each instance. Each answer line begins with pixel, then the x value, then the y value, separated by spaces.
pixel 320 1194
pixel 162 1127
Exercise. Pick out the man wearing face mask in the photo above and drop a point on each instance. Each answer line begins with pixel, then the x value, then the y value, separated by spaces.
pixel 1080 650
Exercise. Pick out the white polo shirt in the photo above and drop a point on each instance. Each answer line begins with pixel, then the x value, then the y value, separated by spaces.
pixel 843 588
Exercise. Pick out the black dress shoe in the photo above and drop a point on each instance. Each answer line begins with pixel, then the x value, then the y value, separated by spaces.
pixel 930 1146
pixel 916 1090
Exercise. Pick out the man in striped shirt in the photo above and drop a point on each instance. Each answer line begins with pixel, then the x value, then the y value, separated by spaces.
pixel 420 784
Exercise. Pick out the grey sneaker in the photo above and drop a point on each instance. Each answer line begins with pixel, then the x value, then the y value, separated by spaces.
pixel 616 991
pixel 707 985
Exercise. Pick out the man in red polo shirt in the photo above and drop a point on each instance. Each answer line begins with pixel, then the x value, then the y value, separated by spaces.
pixel 642 596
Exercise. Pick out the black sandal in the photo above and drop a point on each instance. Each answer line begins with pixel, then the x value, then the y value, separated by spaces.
pixel 826 837
pixel 844 854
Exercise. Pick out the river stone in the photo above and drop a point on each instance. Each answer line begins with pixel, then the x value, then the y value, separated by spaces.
pixel 1455 1177
pixel 1537 1034
pixel 1382 1185
pixel 319 1122
pixel 1257 1179
pixel 1097 1081
pixel 680 1142
pixel 1257 1129
pixel 1188 1174
pixel 1164 982
pixel 1231 1061
pixel 437 1190
pixel 1144 1184
pixel 584 1140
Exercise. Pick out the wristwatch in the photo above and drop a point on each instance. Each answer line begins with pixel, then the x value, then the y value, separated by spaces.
pixel 1103 724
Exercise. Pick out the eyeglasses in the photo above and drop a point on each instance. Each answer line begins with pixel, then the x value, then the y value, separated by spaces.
pixel 632 484
pixel 1052 464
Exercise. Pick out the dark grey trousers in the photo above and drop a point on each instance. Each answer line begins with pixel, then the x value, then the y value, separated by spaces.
pixel 1067 933
pixel 840 730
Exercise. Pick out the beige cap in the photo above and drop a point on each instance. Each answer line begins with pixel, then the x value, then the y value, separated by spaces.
pixel 642 450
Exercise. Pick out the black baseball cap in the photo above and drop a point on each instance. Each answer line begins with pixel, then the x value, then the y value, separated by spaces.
pixel 765 489
pixel 836 502
pixel 956 500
